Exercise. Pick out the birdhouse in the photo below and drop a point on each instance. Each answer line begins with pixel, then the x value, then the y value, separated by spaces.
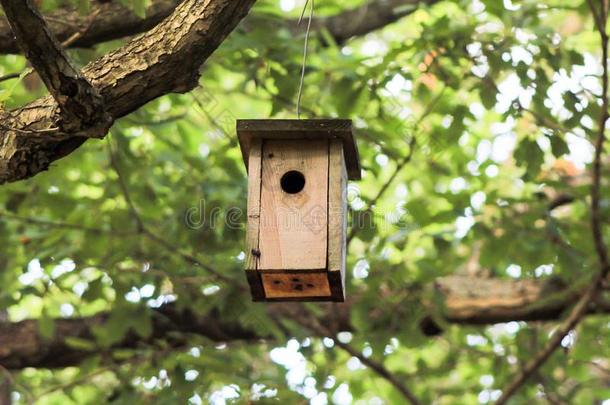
pixel 297 209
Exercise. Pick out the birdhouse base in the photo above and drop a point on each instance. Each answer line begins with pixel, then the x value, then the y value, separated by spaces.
pixel 296 285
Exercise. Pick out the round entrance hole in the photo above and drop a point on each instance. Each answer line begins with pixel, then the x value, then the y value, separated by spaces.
pixel 292 182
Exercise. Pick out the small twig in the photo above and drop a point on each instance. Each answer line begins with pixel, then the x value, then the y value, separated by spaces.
pixel 12 383
pixel 55 224
pixel 79 34
pixel 9 76
pixel 597 19
pixel 378 368
pixel 412 146
pixel 210 118
pixel 112 367
pixel 386 185
pixel 143 229
pixel 596 224
pixel 30 131
pixel 162 121
pixel 554 342
pixel 76 381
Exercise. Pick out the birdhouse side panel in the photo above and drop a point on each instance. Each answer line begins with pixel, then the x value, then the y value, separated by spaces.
pixel 293 220
pixel 254 204
pixel 337 218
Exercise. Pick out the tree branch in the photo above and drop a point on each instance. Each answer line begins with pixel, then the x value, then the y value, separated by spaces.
pixel 378 368
pixel 150 66
pixel 81 106
pixel 455 300
pixel 362 20
pixel 112 21
pixel 591 292
pixel 144 230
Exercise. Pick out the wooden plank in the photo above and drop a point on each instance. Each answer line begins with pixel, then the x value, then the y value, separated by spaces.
pixel 254 198
pixel 336 280
pixel 298 125
pixel 286 285
pixel 337 216
pixel 293 227
pixel 247 130
pixel 256 285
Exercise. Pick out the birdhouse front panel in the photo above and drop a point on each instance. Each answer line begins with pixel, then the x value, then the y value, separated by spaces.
pixel 294 205
pixel 297 210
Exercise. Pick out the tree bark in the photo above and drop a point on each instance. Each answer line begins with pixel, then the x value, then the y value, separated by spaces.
pixel 112 20
pixel 81 106
pixel 106 21
pixel 365 19
pixel 452 300
pixel 164 60
pixel 148 67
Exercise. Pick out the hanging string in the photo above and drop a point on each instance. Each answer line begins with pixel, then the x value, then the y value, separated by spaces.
pixel 304 52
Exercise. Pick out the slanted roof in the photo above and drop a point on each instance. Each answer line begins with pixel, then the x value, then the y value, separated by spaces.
pixel 247 130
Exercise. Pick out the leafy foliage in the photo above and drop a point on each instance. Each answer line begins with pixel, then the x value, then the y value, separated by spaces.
pixel 471 117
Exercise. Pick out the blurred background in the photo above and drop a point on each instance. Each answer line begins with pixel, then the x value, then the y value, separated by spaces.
pixel 474 120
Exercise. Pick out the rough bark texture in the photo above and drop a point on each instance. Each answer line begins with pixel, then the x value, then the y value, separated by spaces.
pixel 106 21
pixel 165 59
pixel 81 107
pixel 455 299
pixel 111 20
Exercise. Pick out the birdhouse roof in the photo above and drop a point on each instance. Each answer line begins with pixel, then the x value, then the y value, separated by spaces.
pixel 247 130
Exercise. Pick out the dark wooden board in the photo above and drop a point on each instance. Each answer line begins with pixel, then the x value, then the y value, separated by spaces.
pixel 247 130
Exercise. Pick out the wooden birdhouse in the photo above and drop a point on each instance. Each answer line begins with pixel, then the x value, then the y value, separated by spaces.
pixel 297 210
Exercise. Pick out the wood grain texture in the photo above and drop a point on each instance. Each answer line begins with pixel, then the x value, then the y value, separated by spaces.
pixel 254 205
pixel 337 213
pixel 293 227
pixel 82 109
pixel 286 285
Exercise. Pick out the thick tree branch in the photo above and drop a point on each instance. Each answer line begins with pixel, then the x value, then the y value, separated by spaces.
pixel 453 300
pixel 22 346
pixel 371 16
pixel 150 66
pixel 81 106
pixel 112 21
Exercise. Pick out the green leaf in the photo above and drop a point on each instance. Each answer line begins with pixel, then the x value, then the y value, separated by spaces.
pixel 5 95
pixel 80 344
pixel 559 147
pixel 529 154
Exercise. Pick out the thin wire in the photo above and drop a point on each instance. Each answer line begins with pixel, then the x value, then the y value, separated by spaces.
pixel 303 12
pixel 304 53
